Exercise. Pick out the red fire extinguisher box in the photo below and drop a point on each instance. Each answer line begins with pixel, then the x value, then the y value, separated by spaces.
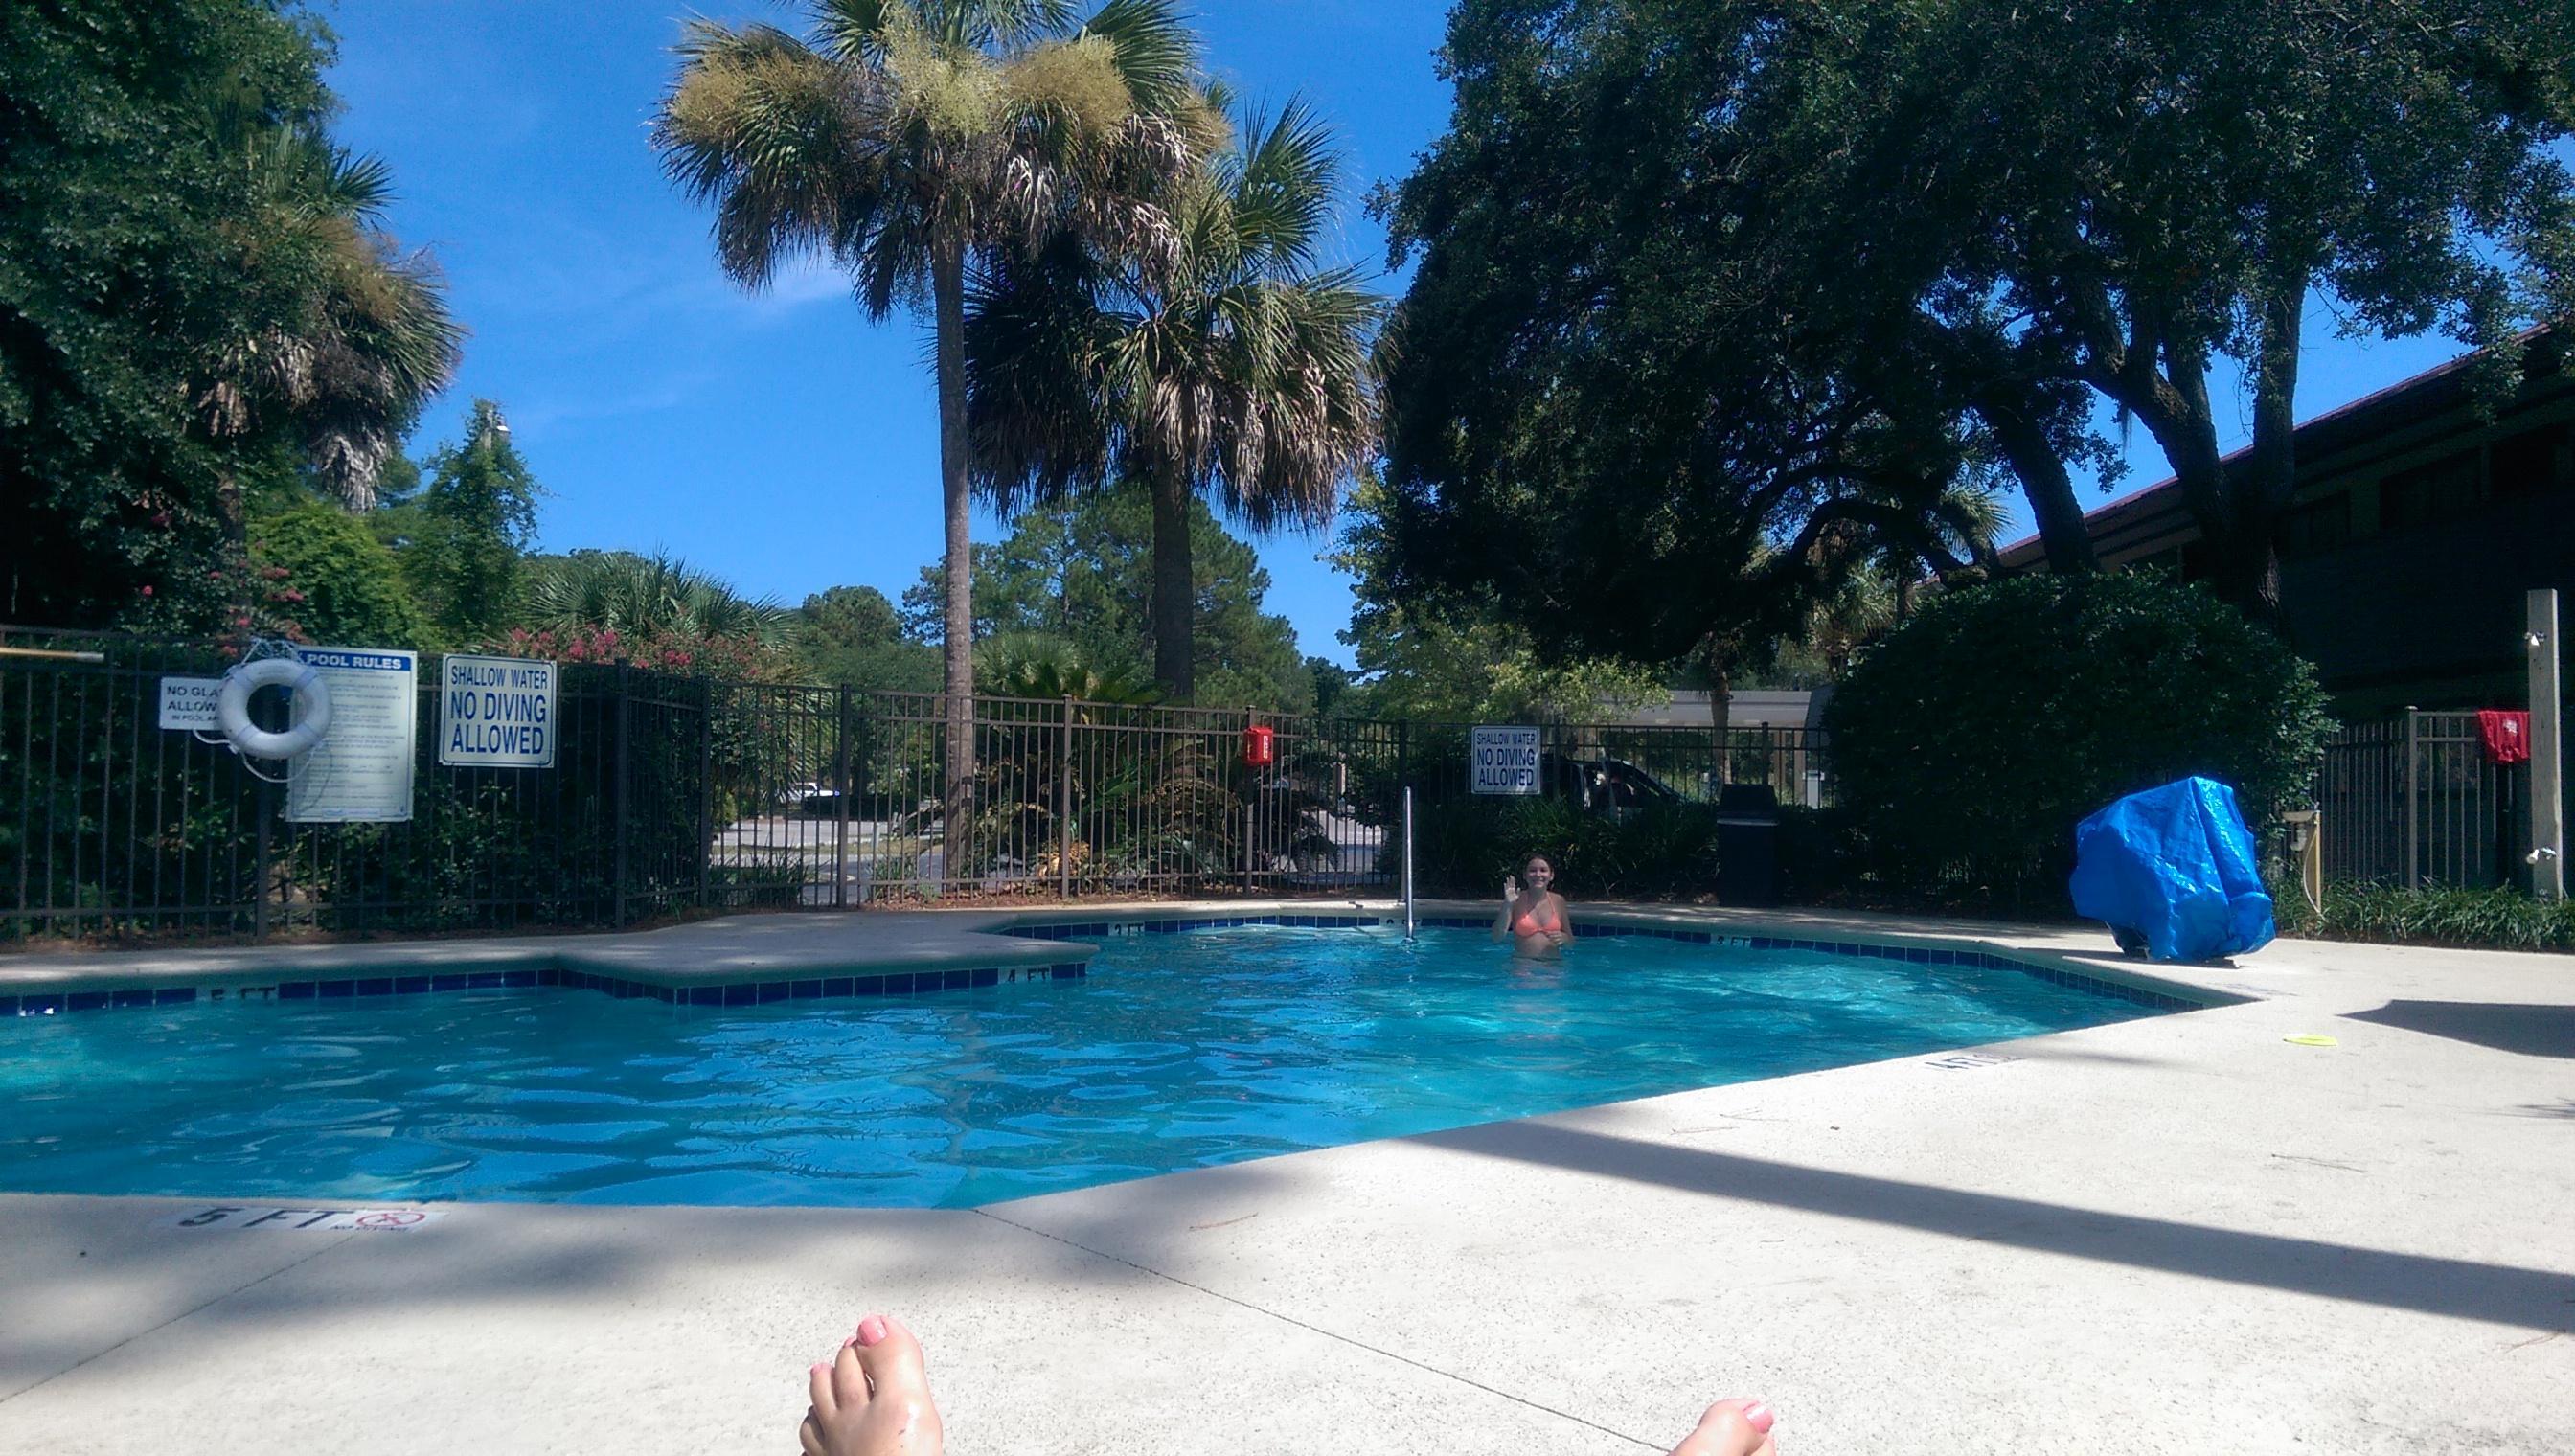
pixel 1260 747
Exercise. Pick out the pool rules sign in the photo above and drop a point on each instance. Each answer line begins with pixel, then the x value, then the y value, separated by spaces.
pixel 496 712
pixel 361 771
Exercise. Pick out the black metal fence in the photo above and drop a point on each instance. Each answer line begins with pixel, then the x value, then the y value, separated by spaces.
pixel 2415 801
pixel 840 802
pixel 1619 767
pixel 671 794
pixel 844 801
pixel 111 823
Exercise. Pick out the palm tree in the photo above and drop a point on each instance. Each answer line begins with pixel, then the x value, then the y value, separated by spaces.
pixel 639 596
pixel 353 347
pixel 1234 368
pixel 1046 665
pixel 1956 540
pixel 906 138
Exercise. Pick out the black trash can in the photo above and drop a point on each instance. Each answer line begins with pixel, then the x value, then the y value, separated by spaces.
pixel 1747 846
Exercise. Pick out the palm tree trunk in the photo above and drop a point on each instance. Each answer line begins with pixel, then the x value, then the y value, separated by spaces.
pixel 948 285
pixel 1174 590
pixel 230 499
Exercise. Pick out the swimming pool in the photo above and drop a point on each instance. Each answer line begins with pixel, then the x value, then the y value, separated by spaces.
pixel 1177 1051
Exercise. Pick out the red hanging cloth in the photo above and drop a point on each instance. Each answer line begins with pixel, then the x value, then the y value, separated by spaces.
pixel 2506 733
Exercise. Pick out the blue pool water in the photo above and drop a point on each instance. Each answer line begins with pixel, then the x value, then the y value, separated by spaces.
pixel 1177 1051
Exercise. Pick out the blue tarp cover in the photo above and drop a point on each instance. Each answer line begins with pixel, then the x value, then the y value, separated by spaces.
pixel 2175 867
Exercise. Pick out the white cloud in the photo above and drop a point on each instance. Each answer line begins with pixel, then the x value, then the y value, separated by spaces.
pixel 806 281
pixel 538 418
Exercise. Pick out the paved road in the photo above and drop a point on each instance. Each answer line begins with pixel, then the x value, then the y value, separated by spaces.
pixel 770 835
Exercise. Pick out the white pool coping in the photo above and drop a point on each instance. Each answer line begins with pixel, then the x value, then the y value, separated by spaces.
pixel 2170 1232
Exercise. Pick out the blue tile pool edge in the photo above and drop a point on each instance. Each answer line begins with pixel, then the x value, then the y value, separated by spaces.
pixel 2141 990
pixel 883 983
pixel 2148 992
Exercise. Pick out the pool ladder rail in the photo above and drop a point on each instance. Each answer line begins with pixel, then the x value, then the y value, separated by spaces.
pixel 1408 918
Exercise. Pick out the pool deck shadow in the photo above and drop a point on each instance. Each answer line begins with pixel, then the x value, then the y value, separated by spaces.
pixel 2538 1300
pixel 2526 1031
pixel 2170 1232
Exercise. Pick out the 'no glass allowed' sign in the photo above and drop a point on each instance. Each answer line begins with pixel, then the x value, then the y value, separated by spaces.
pixel 496 712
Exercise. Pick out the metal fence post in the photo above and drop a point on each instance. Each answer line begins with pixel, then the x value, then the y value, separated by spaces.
pixel 706 789
pixel 260 862
pixel 841 799
pixel 1409 926
pixel 2547 751
pixel 1063 807
pixel 2413 801
pixel 617 789
pixel 859 791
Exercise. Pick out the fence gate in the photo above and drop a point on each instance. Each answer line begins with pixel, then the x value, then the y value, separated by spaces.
pixel 2415 801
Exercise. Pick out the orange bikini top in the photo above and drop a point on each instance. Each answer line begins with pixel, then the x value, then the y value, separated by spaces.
pixel 1527 924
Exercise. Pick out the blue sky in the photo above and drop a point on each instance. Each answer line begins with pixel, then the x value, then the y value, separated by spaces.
pixel 779 439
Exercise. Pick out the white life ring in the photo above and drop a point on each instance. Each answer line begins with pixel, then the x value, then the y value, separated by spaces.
pixel 311 714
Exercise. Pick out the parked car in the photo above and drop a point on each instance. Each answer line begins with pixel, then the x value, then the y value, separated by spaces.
pixel 810 800
pixel 1610 786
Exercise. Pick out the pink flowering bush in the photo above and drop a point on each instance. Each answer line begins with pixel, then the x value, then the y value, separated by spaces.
pixel 714 656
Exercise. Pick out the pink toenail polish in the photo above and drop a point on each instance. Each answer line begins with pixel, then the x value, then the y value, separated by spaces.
pixel 1759 1417
pixel 819 1367
pixel 872 1329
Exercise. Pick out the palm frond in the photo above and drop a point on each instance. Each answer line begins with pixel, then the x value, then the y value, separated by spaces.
pixel 1039 423
pixel 853 31
pixel 343 371
pixel 784 141
pixel 997 24
pixel 644 595
pixel 1234 368
pixel 1074 85
pixel 1157 52
pixel 1309 413
pixel 386 344
pixel 1044 664
pixel 357 186
pixel 1281 183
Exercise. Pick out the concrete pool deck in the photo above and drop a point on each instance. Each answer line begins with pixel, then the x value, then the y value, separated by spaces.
pixel 2179 1232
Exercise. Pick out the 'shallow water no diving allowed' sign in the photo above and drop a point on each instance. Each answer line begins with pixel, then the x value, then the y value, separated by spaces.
pixel 496 712
pixel 1503 761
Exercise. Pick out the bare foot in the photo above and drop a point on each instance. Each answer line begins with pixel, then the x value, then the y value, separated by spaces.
pixel 872 1399
pixel 1730 1428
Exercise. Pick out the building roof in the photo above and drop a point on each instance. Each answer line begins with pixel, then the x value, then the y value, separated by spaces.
pixel 2427 393
pixel 1747 708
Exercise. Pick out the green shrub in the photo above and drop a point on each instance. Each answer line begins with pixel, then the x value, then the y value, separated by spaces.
pixel 2492 919
pixel 1969 743
pixel 323 575
pixel 1821 859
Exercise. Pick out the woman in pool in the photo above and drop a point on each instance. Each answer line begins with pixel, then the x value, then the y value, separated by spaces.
pixel 1533 919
